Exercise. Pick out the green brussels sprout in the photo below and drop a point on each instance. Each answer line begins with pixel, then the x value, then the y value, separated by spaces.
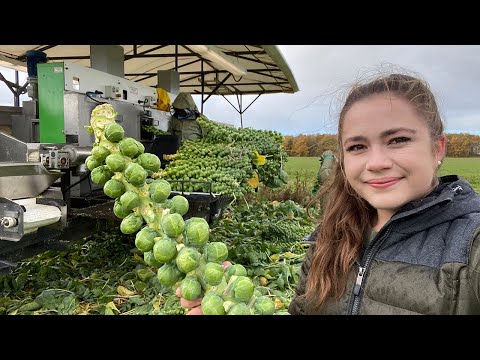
pixel 113 188
pixel 131 223
pixel 168 274
pixel 264 306
pixel 159 190
pixel 215 252
pixel 236 269
pixel 149 161
pixel 119 210
pixel 172 225
pixel 239 309
pixel 178 204
pixel 190 288
pixel 212 304
pixel 130 200
pixel 150 259
pixel 165 250
pixel 114 132
pixel 115 162
pixel 243 288
pixel 141 148
pixel 129 147
pixel 197 232
pixel 100 175
pixel 100 153
pixel 135 174
pixel 92 163
pixel 144 239
pixel 213 273
pixel 188 259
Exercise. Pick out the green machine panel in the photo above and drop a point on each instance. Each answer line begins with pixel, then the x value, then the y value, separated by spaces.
pixel 51 88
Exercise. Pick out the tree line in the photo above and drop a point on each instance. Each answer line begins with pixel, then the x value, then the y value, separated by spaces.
pixel 458 145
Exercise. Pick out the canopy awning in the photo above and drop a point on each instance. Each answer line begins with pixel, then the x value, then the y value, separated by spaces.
pixel 217 69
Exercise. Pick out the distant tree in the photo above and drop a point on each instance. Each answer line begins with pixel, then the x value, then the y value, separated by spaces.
pixel 288 141
pixel 300 147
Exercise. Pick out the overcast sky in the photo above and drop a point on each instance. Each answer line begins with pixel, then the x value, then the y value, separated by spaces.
pixel 323 71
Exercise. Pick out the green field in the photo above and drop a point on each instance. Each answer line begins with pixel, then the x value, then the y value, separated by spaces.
pixel 468 168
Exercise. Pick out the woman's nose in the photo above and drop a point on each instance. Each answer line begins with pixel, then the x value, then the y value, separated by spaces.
pixel 377 159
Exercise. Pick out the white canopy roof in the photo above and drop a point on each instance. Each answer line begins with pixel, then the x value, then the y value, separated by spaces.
pixel 241 69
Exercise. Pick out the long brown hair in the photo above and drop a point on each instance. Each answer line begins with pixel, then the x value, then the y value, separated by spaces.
pixel 346 216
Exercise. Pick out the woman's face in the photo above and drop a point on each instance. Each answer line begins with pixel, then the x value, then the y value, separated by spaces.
pixel 389 159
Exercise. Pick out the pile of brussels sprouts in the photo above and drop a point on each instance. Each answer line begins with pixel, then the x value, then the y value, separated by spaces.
pixel 234 160
pixel 179 249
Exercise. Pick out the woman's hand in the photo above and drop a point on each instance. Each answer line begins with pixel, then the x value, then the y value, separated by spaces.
pixel 195 305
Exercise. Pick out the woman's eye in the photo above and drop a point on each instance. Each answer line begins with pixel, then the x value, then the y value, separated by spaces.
pixel 355 147
pixel 399 140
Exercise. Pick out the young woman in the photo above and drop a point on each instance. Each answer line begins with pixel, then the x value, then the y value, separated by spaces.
pixel 394 238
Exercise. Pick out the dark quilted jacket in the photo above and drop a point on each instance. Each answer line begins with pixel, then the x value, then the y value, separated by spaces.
pixel 425 260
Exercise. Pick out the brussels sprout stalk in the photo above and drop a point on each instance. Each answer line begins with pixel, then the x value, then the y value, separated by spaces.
pixel 179 249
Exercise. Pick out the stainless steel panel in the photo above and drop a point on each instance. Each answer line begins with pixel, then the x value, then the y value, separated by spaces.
pixel 22 180
pixel 12 149
pixel 78 108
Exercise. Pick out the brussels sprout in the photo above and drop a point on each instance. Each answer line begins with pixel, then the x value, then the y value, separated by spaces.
pixel 168 274
pixel 129 147
pixel 239 309
pixel 187 259
pixel 100 153
pixel 213 273
pixel 172 225
pixel 135 174
pixel 115 162
pixel 215 252
pixel 119 210
pixel 197 233
pixel 190 288
pixel 141 148
pixel 243 289
pixel 131 223
pixel 159 190
pixel 236 269
pixel 178 204
pixel 113 188
pixel 149 161
pixel 114 132
pixel 212 304
pixel 264 306
pixel 165 250
pixel 130 200
pixel 150 259
pixel 144 239
pixel 92 163
pixel 100 175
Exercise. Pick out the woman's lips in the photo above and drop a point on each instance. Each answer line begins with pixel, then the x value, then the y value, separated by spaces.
pixel 383 183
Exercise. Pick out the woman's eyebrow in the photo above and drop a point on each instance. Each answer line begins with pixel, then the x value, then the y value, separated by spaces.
pixel 383 134
pixel 393 131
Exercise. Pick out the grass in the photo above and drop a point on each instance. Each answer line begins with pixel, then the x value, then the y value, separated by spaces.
pixel 467 168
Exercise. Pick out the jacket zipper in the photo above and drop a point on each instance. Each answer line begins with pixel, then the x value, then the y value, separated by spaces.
pixel 362 271
pixel 369 255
